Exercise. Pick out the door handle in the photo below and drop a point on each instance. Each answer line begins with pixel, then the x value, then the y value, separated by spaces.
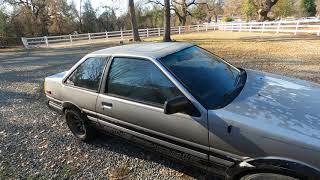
pixel 106 105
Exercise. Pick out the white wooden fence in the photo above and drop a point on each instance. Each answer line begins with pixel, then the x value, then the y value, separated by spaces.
pixel 295 27
pixel 71 39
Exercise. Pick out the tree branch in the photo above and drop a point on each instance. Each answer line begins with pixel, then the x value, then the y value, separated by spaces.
pixel 192 3
pixel 273 2
pixel 155 2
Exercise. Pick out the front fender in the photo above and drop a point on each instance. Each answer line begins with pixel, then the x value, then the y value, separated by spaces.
pixel 274 165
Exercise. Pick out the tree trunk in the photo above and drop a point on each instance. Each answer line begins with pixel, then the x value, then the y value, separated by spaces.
pixel 263 15
pixel 184 15
pixel 265 8
pixel 133 21
pixel 167 28
pixel 183 21
pixel 80 17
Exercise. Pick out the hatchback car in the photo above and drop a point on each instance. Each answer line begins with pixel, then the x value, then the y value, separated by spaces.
pixel 188 103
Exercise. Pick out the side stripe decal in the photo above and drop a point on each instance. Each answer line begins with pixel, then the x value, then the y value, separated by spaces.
pixel 222 158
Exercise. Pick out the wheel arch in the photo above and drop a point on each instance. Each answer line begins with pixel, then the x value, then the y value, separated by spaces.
pixel 274 165
pixel 70 105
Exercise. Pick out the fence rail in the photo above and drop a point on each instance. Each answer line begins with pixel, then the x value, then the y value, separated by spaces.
pixel 299 26
pixel 296 26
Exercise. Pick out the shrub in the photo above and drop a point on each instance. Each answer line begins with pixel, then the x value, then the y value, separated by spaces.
pixel 227 19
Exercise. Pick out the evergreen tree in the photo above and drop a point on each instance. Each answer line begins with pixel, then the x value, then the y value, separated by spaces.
pixel 249 9
pixel 2 22
pixel 284 8
pixel 107 20
pixel 308 8
pixel 89 18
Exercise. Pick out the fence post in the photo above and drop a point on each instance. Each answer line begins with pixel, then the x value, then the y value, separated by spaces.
pixel 46 40
pixel 24 42
pixel 70 37
pixel 159 31
pixel 278 28
pixel 198 28
pixel 263 25
pixel 179 29
pixel 206 27
pixel 121 32
pixel 250 26
pixel 240 27
pixel 107 35
pixel 297 26
pixel 232 27
pixel 89 36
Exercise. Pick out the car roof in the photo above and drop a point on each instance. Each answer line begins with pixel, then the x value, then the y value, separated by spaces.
pixel 154 50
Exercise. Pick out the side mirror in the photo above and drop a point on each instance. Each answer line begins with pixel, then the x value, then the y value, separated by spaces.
pixel 180 104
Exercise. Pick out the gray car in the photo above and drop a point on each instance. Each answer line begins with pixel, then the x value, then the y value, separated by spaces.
pixel 185 102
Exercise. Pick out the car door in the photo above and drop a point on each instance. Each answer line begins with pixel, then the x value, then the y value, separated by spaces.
pixel 82 85
pixel 135 92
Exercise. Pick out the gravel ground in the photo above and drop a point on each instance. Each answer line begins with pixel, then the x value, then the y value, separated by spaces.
pixel 36 144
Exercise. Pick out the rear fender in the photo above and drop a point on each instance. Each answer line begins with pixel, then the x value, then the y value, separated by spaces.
pixel 70 105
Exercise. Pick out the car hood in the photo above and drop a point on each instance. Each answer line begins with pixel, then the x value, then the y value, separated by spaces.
pixel 288 107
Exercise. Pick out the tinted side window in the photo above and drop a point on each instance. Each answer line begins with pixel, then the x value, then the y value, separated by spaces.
pixel 139 80
pixel 88 74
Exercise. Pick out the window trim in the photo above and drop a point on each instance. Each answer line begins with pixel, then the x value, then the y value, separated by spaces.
pixel 104 89
pixel 64 82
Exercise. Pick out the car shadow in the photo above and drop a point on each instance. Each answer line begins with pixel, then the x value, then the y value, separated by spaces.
pixel 134 150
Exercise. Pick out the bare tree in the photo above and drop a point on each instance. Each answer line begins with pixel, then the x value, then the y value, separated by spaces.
pixel 181 8
pixel 212 8
pixel 167 29
pixel 133 21
pixel 39 13
pixel 232 7
pixel 167 16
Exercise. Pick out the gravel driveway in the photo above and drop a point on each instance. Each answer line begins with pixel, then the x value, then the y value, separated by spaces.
pixel 35 141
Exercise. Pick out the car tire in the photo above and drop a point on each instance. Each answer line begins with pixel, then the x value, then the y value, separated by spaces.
pixel 267 176
pixel 79 126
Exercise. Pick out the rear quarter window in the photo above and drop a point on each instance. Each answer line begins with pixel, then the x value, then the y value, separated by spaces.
pixel 88 74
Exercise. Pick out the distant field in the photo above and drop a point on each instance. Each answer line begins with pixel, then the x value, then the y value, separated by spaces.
pixel 297 56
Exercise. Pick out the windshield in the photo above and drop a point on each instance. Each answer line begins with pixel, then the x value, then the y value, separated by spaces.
pixel 212 81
